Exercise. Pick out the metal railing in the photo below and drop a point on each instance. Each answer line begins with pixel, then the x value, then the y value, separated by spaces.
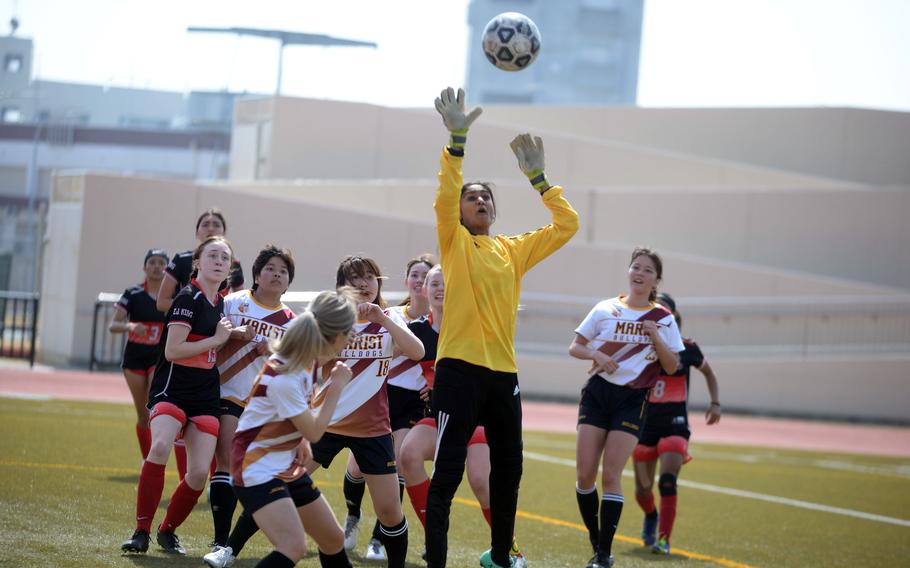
pixel 19 324
pixel 106 347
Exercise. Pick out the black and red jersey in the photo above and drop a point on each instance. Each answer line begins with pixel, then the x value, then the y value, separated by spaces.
pixel 140 308
pixel 192 383
pixel 180 268
pixel 423 329
pixel 670 393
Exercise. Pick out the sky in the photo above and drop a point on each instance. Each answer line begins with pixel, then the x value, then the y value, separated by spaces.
pixel 695 53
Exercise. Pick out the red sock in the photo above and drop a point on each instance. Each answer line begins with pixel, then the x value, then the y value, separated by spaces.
pixel 212 468
pixel 182 502
pixel 180 457
pixel 144 435
pixel 646 502
pixel 667 515
pixel 418 495
pixel 486 515
pixel 151 484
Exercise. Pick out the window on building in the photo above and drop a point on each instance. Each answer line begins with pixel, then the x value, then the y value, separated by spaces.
pixel 11 114
pixel 13 63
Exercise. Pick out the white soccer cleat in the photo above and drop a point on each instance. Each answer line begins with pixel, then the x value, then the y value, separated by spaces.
pixel 375 550
pixel 351 531
pixel 219 557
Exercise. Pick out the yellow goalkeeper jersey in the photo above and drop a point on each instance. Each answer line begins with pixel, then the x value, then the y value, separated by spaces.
pixel 483 274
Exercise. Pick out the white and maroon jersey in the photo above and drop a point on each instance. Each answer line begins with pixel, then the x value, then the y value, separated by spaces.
pixel 265 444
pixel 363 408
pixel 405 373
pixel 615 328
pixel 239 362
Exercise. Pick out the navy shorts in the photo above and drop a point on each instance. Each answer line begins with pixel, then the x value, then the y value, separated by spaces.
pixel 613 407
pixel 375 456
pixel 301 490
pixel 405 407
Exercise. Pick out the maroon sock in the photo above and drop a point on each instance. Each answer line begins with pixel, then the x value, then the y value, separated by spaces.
pixel 144 435
pixel 487 516
pixel 646 502
pixel 182 502
pixel 151 484
pixel 667 516
pixel 418 495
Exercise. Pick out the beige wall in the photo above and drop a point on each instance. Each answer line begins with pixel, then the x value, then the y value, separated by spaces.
pixel 865 146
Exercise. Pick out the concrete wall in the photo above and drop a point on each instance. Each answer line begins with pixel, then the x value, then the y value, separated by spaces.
pixel 866 146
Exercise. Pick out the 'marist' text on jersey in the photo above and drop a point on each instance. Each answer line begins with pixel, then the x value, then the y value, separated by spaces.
pixel 366 346
pixel 627 331
pixel 264 330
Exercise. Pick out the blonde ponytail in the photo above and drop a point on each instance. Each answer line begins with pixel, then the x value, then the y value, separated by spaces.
pixel 311 334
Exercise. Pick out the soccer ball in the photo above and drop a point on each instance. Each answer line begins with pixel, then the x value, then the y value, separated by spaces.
pixel 511 41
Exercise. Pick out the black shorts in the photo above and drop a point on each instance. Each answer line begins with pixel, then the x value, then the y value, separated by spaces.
pixel 663 421
pixel 140 358
pixel 191 408
pixel 230 407
pixel 612 407
pixel 405 407
pixel 375 456
pixel 301 490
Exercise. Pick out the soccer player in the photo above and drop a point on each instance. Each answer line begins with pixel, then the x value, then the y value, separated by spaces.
pixel 666 436
pixel 184 397
pixel 257 316
pixel 406 390
pixel 629 339
pixel 476 374
pixel 178 274
pixel 361 420
pixel 269 477
pixel 420 442
pixel 136 314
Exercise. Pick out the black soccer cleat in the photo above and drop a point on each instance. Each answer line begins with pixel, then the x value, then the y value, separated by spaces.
pixel 169 542
pixel 139 542
pixel 600 560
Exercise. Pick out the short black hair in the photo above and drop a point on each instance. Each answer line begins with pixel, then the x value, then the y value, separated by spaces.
pixel 269 252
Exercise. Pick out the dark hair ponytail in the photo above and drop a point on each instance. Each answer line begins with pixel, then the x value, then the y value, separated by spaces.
pixel 658 266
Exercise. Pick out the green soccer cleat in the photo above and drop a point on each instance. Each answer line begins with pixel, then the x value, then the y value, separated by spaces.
pixel 486 561
pixel 662 546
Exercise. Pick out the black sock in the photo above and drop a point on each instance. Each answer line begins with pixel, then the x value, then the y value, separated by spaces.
pixel 276 560
pixel 377 534
pixel 243 531
pixel 610 511
pixel 354 488
pixel 223 502
pixel 395 540
pixel 588 505
pixel 337 560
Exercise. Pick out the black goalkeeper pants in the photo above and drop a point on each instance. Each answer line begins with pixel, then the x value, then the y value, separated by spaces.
pixel 465 395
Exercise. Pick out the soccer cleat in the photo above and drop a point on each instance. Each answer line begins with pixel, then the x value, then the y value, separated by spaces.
pixel 220 557
pixel 169 542
pixel 649 530
pixel 351 531
pixel 600 560
pixel 486 561
pixel 375 550
pixel 662 546
pixel 139 542
pixel 518 559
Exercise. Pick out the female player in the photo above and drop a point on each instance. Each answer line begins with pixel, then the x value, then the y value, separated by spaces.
pixel 420 442
pixel 666 436
pixel 476 375
pixel 178 274
pixel 406 387
pixel 184 397
pixel 135 313
pixel 257 316
pixel 268 476
pixel 629 339
pixel 179 271
pixel 361 420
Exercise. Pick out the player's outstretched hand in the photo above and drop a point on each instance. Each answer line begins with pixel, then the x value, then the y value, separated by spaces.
pixel 530 154
pixel 451 107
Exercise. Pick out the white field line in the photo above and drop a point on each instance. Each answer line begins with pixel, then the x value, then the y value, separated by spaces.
pixel 748 494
